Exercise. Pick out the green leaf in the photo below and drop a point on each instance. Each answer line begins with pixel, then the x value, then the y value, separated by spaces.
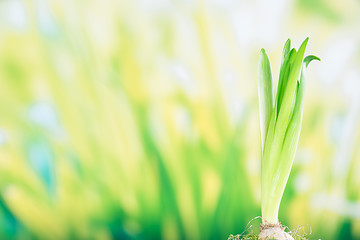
pixel 265 91
pixel 283 77
pixel 292 133
pixel 286 50
pixel 309 58
pixel 287 101
pixel 285 110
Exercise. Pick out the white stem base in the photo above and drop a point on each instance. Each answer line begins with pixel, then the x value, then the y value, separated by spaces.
pixel 274 232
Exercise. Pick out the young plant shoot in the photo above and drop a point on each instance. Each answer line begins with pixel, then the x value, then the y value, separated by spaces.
pixel 280 124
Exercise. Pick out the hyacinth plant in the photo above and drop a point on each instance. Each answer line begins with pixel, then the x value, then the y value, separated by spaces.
pixel 280 124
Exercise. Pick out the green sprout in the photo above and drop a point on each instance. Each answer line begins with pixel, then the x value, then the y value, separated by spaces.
pixel 280 124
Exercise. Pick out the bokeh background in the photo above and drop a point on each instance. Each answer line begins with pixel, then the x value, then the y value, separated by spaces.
pixel 139 119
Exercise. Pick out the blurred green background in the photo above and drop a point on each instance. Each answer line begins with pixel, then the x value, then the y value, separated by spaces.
pixel 139 119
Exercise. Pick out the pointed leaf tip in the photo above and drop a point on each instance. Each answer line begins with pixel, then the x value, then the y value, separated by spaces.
pixel 304 43
pixel 309 58
pixel 287 44
pixel 286 50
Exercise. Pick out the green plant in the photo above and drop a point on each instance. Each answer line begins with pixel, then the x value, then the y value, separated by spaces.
pixel 280 124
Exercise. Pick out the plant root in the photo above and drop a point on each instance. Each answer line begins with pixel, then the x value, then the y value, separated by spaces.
pixel 273 231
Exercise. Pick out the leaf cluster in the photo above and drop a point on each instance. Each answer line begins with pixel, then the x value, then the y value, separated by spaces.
pixel 280 122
